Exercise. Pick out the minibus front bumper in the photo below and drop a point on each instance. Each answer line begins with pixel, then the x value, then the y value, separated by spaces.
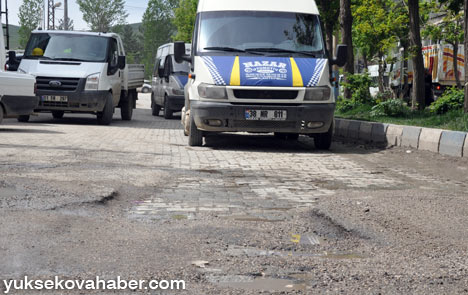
pixel 227 117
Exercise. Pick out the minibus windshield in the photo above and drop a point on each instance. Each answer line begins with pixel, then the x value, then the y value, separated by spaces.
pixel 259 32
pixel 67 47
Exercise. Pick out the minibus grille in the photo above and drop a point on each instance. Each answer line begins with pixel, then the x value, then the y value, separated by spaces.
pixel 58 84
pixel 266 94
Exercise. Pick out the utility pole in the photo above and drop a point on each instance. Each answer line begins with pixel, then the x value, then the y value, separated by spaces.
pixel 50 15
pixel 65 15
pixel 6 27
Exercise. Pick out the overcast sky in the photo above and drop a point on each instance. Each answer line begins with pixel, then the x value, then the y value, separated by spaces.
pixel 135 10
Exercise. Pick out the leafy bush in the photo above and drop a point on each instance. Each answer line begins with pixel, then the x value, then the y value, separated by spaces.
pixel 452 99
pixel 391 107
pixel 346 105
pixel 359 85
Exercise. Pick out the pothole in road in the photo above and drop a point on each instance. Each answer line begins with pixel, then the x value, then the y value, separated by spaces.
pixel 252 283
pixel 237 251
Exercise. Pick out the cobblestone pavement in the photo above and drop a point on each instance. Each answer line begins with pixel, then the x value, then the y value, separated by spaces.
pixel 245 201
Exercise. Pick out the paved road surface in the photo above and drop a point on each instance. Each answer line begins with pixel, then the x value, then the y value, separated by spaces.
pixel 132 199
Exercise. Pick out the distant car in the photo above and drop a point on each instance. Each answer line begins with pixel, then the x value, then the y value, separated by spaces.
pixel 146 88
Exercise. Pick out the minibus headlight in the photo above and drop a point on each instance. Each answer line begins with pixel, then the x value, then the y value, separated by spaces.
pixel 92 82
pixel 317 93
pixel 212 91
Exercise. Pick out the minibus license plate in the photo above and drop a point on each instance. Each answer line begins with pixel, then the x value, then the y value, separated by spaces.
pixel 266 115
pixel 55 98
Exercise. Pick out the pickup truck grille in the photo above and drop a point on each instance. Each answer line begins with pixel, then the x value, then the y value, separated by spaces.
pixel 62 84
pixel 58 104
pixel 266 94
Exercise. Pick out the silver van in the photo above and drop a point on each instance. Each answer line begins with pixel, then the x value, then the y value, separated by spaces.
pixel 168 81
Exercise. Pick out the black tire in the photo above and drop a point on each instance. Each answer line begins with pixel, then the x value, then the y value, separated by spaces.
pixel 23 118
pixel 323 141
pixel 281 135
pixel 58 114
pixel 195 136
pixel 126 107
pixel 155 109
pixel 167 111
pixel 293 136
pixel 1 114
pixel 105 117
pixel 144 90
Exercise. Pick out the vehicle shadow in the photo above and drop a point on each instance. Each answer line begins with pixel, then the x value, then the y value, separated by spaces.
pixel 267 143
pixel 24 130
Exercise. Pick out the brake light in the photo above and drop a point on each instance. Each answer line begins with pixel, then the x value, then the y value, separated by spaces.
pixel 438 87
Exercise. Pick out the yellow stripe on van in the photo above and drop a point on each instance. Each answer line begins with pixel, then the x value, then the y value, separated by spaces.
pixel 235 74
pixel 296 74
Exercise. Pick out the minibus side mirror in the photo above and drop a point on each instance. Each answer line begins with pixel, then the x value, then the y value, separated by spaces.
pixel 179 52
pixel 341 55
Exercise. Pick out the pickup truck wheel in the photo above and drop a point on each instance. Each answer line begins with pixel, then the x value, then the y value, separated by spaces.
pixel 167 111
pixel 126 108
pixel 1 114
pixel 58 114
pixel 281 135
pixel 23 118
pixel 105 117
pixel 195 135
pixel 323 140
pixel 155 109
pixel 293 136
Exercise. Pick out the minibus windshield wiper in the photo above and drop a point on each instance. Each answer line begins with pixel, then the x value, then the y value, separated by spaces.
pixel 221 48
pixel 280 50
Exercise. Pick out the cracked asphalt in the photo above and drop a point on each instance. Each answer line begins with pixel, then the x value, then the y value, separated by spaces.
pixel 245 214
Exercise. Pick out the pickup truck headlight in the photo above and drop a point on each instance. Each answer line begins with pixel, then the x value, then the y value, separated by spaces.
pixel 317 93
pixel 212 91
pixel 92 82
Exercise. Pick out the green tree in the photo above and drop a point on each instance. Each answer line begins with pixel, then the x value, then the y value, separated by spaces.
pixel 346 25
pixel 102 15
pixel 375 30
pixel 184 20
pixel 466 56
pixel 419 95
pixel 157 29
pixel 29 19
pixel 329 13
pixel 449 30
pixel 132 42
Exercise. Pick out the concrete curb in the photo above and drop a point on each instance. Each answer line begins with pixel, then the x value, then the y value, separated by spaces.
pixel 451 143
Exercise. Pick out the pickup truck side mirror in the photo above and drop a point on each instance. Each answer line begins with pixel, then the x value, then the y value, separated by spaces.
pixel 179 52
pixel 121 62
pixel 12 55
pixel 341 55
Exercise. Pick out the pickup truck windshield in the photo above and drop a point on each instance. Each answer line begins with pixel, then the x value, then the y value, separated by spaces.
pixel 67 47
pixel 254 32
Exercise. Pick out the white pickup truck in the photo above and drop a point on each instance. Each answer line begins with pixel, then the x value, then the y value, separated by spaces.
pixel 81 72
pixel 16 90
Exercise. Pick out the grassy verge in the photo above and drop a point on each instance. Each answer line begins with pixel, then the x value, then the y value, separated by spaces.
pixel 453 120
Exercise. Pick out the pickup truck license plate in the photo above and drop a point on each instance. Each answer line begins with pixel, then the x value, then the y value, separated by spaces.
pixel 55 98
pixel 266 115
